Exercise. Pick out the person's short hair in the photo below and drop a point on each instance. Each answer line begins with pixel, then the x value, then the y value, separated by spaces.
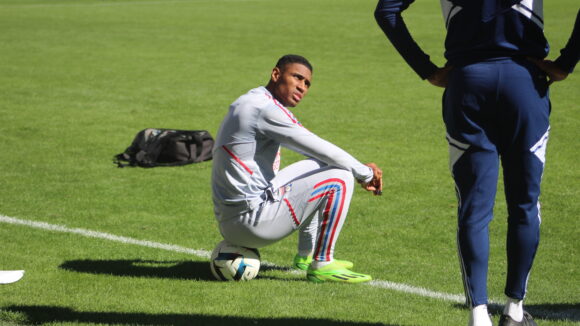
pixel 293 58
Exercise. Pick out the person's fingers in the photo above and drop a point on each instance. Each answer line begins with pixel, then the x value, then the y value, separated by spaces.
pixel 370 187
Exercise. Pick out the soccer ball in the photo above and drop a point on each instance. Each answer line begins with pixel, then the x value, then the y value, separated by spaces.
pixel 230 262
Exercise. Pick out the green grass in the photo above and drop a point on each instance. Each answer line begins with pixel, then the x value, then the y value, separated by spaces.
pixel 79 78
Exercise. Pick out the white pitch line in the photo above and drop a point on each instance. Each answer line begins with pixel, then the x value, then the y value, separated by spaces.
pixel 418 291
pixel 103 3
pixel 103 235
pixel 571 314
pixel 206 254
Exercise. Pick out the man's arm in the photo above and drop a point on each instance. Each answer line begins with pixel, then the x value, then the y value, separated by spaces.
pixel 560 68
pixel 570 54
pixel 309 144
pixel 388 16
pixel 369 176
pixel 274 124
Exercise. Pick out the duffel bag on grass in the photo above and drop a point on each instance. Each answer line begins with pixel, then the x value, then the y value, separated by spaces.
pixel 166 147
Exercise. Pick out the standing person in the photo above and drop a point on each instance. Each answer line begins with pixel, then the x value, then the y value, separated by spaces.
pixel 495 106
pixel 256 207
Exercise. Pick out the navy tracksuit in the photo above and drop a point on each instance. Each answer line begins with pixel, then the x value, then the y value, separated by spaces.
pixel 496 110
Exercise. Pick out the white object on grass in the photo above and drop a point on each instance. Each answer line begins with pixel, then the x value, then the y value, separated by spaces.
pixel 10 276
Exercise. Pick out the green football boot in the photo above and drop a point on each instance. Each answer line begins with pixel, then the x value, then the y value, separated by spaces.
pixel 302 262
pixel 335 272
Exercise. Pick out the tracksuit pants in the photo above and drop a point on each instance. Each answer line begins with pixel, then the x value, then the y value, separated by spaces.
pixel 495 112
pixel 307 196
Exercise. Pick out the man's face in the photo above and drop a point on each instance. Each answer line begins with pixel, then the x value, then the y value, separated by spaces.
pixel 291 83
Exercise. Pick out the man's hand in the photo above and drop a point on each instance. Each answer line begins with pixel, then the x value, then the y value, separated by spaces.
pixel 554 72
pixel 376 183
pixel 440 76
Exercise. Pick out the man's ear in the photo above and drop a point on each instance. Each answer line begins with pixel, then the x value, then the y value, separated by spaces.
pixel 275 74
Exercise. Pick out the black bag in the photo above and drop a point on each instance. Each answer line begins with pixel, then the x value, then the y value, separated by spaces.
pixel 166 147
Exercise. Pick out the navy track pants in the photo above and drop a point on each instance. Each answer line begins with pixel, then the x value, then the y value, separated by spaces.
pixel 497 111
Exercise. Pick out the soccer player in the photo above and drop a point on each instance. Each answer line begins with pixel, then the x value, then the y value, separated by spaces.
pixel 496 109
pixel 255 206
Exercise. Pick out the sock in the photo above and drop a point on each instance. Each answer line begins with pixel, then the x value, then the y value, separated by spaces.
pixel 319 264
pixel 305 253
pixel 479 316
pixel 515 309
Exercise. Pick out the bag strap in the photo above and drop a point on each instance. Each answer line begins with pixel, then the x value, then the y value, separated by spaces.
pixel 123 157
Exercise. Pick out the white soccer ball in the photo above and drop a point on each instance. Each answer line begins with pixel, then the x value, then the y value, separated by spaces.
pixel 230 262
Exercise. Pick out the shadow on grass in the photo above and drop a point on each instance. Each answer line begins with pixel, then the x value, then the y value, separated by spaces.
pixel 52 314
pixel 547 311
pixel 187 270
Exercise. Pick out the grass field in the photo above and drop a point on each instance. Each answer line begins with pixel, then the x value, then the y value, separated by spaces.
pixel 79 78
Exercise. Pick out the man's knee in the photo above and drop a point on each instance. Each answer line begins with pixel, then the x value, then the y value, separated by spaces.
pixel 344 175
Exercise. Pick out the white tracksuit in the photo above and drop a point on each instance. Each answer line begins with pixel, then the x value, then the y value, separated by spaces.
pixel 254 206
